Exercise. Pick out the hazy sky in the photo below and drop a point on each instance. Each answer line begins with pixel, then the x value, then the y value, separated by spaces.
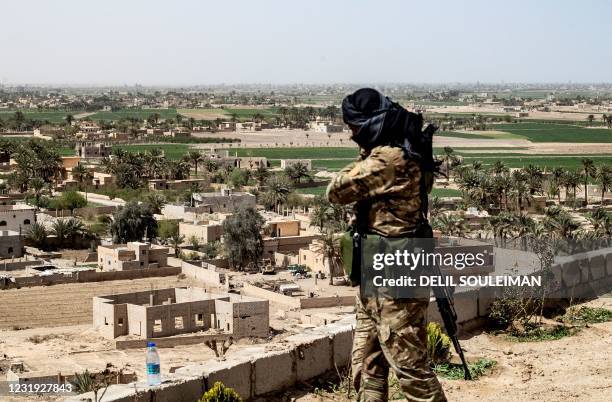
pixel 184 42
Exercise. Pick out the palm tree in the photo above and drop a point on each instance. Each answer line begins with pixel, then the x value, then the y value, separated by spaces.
pixel 80 173
pixel 449 157
pixel 37 187
pixel 210 165
pixel 534 179
pixel 75 227
pixel 194 157
pixel 69 119
pixel 156 201
pixel 503 225
pixel 603 179
pixel 499 168
pixel 572 180
pixel 37 234
pixel 60 228
pixel 297 172
pixel 329 246
pixel 588 170
pixel 601 221
pixel 502 185
pixel 520 189
pixel 451 225
pixel 523 226
pixel 261 174
pixel 175 241
pixel 277 193
pixel 590 119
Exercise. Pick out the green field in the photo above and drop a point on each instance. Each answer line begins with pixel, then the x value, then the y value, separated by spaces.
pixel 171 151
pixel 481 135
pixel 572 162
pixel 319 190
pixel 542 132
pixel 65 151
pixel 248 113
pixel 135 113
pixel 445 192
pixel 539 132
pixel 52 117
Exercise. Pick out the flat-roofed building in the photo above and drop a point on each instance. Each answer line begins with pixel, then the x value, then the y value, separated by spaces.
pixel 204 231
pixel 225 201
pixel 17 217
pixel 168 312
pixel 285 163
pixel 133 255
pixel 11 245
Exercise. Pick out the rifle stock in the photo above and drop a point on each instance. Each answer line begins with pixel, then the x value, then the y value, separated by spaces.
pixel 449 317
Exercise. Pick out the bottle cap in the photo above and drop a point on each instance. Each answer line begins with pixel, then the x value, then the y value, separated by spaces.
pixel 150 344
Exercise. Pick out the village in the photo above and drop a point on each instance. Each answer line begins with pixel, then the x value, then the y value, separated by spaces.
pixel 199 220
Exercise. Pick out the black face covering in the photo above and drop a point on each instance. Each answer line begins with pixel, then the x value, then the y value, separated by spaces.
pixel 380 121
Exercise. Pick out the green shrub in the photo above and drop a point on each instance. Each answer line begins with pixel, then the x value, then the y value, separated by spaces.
pixel 438 344
pixel 588 315
pixel 220 393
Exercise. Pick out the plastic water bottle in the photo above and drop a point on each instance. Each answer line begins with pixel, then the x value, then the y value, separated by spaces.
pixel 153 374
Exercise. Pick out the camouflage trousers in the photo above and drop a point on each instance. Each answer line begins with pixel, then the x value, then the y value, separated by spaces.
pixel 391 333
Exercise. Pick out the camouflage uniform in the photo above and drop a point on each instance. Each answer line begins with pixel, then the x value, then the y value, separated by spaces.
pixel 390 333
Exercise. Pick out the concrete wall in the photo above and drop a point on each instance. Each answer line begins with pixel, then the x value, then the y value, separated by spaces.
pixel 16 218
pixel 91 276
pixel 332 301
pixel 286 244
pixel 284 259
pixel 254 291
pixel 253 372
pixel 18 265
pixel 203 273
pixel 205 232
pixel 10 244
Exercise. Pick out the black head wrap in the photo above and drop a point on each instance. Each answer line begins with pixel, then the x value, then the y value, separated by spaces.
pixel 381 121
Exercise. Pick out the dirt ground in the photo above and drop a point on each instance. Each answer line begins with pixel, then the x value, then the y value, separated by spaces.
pixel 278 138
pixel 69 304
pixel 574 368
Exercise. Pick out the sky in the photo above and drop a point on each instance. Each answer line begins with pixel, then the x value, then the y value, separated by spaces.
pixel 200 42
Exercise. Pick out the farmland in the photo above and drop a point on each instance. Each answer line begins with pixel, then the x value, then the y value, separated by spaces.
pixel 171 151
pixel 51 117
pixel 242 114
pixel 134 113
pixel 538 132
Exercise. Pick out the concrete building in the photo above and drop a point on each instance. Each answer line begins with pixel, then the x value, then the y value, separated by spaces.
pixel 162 184
pixel 204 231
pixel 134 255
pixel 167 312
pixel 92 150
pixel 17 218
pixel 225 201
pixel 102 179
pixel 283 227
pixel 252 162
pixel 313 258
pixel 285 163
pixel 322 126
pixel 10 244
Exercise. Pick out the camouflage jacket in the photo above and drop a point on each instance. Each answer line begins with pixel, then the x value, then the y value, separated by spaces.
pixel 389 182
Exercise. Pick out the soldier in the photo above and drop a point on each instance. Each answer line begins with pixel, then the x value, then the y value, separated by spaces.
pixel 386 182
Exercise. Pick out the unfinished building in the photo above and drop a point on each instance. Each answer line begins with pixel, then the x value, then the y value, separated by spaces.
pixel 167 312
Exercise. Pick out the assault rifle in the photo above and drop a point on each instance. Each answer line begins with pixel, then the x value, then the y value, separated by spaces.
pixel 444 298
